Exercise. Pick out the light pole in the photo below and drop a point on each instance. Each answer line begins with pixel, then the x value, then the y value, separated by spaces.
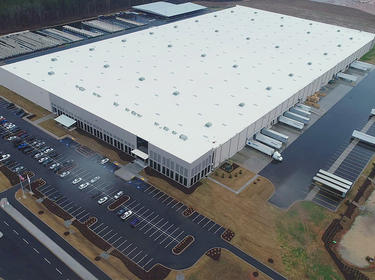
pixel 28 180
pixel 23 191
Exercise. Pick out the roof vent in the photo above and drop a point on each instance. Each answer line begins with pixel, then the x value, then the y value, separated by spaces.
pixel 170 46
pixel 235 66
pixel 91 49
pixel 53 59
pixel 231 11
pixel 183 137
pixel 252 19
pixel 203 55
pixel 134 113
pixel 281 25
pixel 268 88
pixel 277 47
pixel 338 30
pixel 215 15
pixel 208 124
pixel 242 104
pixel 196 20
pixel 165 128
pixel 290 75
pixel 175 26
pixel 127 109
pixel 141 78
pixel 151 33
pixel 115 104
pixel 309 63
pixel 247 38
pixel 156 123
pixel 139 115
pixel 339 45
pixel 82 89
pixel 174 132
pixel 308 32
pixel 216 30
pixel 351 38
pixel 51 73
pixel 175 93
pixel 123 40
pixel 325 53
pixel 106 66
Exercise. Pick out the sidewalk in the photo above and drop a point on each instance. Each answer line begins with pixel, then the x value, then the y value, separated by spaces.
pixel 46 241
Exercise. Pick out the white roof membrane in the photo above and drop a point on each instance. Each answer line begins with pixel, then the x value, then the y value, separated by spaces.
pixel 167 9
pixel 189 86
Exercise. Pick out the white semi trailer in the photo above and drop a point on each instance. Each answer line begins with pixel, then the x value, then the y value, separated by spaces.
pixel 264 149
pixel 300 111
pixel 268 141
pixel 275 135
pixel 304 107
pixel 291 122
pixel 296 117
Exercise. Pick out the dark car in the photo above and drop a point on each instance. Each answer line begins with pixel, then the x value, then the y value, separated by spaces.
pixel 120 212
pixel 48 161
pixel 28 150
pixel 134 222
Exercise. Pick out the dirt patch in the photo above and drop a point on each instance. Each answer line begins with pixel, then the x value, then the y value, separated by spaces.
pixel 54 128
pixel 27 105
pixel 358 242
pixel 235 179
pixel 229 266
pixel 327 13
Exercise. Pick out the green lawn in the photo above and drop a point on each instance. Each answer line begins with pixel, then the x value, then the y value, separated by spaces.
pixel 369 57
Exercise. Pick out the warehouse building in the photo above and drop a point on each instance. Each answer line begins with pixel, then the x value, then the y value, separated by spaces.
pixel 183 97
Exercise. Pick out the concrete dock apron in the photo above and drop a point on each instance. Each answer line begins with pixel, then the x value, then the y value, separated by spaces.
pixel 46 241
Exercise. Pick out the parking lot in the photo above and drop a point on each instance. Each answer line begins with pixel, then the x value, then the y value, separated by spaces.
pixel 156 223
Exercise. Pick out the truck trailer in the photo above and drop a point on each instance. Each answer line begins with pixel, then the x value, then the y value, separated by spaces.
pixel 275 135
pixel 304 107
pixel 291 122
pixel 268 141
pixel 300 111
pixel 264 149
pixel 296 117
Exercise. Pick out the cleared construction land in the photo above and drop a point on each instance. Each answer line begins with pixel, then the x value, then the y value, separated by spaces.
pixel 291 239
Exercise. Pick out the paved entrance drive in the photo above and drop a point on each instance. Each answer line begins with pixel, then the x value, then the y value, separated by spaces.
pixel 129 171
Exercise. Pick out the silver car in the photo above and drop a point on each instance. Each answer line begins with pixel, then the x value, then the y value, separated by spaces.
pixel 93 180
pixel 65 173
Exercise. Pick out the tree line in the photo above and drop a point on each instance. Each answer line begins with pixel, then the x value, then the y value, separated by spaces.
pixel 17 15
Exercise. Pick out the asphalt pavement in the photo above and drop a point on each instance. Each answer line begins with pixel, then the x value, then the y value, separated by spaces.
pixel 161 224
pixel 23 257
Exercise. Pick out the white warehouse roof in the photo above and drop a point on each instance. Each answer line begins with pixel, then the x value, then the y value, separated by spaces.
pixel 189 86
pixel 167 9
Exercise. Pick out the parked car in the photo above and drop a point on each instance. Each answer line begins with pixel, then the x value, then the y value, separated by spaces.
pixel 118 194
pixel 77 180
pixel 64 174
pixel 48 161
pixel 134 222
pixel 18 168
pixel 126 215
pixel 83 186
pixel 38 155
pixel 93 180
pixel 11 138
pixel 42 159
pixel 54 165
pixel 120 212
pixel 103 200
pixel 4 157
pixel 104 160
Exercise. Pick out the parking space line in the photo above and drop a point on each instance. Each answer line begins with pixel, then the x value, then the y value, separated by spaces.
pixel 212 226
pixel 180 207
pixel 170 202
pixel 202 220
pixel 118 247
pixel 156 193
pixel 162 196
pixel 142 259
pixel 117 240
pixel 209 221
pixel 68 204
pixel 101 230
pixel 136 254
pixel 148 262
pixel 96 227
pixel 166 246
pixel 132 251
pixel 158 236
pixel 179 234
pixel 112 236
pixel 79 208
pixel 150 222
pixel 196 217
pixel 106 233
pixel 126 247
pixel 175 204
pixel 218 229
pixel 80 219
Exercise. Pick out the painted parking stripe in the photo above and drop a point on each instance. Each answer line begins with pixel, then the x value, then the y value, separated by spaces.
pixel 83 217
pixel 218 229
pixel 126 247
pixel 175 204
pixel 132 251
pixel 170 202
pixel 102 230
pixel 202 220
pixel 117 240
pixel 155 194
pixel 182 205
pixel 213 227
pixel 96 226
pixel 106 233
pixel 195 216
pixel 119 246
pixel 209 221
pixel 148 262
pixel 136 254
pixel 139 262
pixel 112 236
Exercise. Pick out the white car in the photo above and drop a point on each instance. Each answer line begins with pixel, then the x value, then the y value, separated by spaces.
pixel 4 157
pixel 118 194
pixel 54 165
pixel 103 199
pixel 77 180
pixel 38 155
pixel 11 138
pixel 84 185
pixel 19 168
pixel 65 173
pixel 104 160
pixel 42 159
pixel 126 215
pixel 93 180
pixel 48 150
